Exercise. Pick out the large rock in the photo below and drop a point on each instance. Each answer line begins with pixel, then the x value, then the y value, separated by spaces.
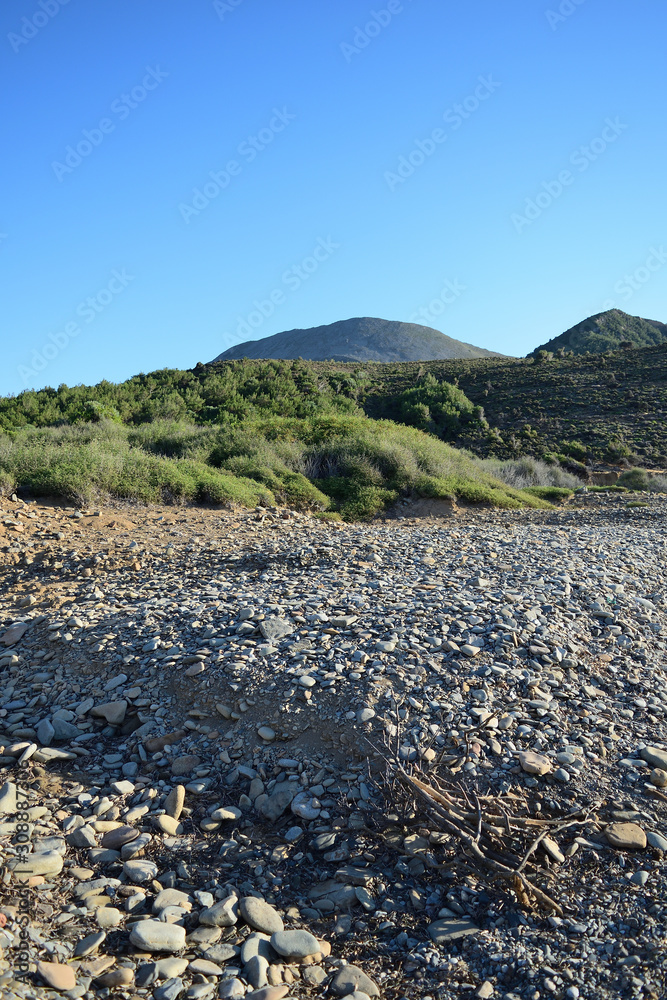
pixel 260 915
pixel 626 836
pixel 279 800
pixel 295 944
pixel 113 712
pixel 350 978
pixel 655 757
pixel 274 629
pixel 222 914
pixel 58 977
pixel 534 763
pixel 154 935
pixel 48 863
pixel 450 929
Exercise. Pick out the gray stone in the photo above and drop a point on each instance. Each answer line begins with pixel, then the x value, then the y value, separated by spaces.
pixel 154 935
pixel 351 978
pixel 656 841
pixel 257 944
pixel 223 914
pixel 169 990
pixel 49 863
pixel 260 915
pixel 45 732
pixel 294 944
pixel 255 971
pixel 8 799
pixel 452 929
pixel 279 801
pixel 655 757
pixel 274 629
pixel 113 712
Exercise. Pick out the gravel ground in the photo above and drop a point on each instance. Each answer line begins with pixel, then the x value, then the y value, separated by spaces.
pixel 207 717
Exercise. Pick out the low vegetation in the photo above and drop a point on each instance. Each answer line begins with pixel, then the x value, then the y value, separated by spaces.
pixel 344 439
pixel 341 463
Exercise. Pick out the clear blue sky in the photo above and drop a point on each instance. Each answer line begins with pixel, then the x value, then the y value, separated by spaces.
pixel 314 113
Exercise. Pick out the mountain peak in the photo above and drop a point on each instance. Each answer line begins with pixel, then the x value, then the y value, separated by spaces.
pixel 606 331
pixel 360 339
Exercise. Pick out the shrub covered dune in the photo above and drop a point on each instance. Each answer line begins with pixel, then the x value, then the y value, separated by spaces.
pixel 253 432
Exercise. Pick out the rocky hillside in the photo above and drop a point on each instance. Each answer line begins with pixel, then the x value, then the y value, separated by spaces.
pixel 363 339
pixel 607 331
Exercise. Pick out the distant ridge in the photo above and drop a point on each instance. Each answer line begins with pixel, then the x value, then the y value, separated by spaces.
pixel 361 339
pixel 606 331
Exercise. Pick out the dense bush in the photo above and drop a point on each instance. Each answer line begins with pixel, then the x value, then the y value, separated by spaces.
pixel 346 462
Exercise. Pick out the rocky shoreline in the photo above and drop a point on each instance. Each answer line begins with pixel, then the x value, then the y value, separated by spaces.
pixel 203 714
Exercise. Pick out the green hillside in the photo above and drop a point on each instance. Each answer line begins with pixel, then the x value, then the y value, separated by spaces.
pixel 347 438
pixel 608 331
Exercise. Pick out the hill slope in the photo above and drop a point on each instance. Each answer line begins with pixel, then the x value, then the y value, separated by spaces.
pixel 606 331
pixel 361 339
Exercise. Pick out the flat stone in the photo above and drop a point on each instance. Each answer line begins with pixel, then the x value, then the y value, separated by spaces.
pixel 268 993
pixel 231 989
pixel 450 929
pixel 154 935
pixel 117 977
pixel 140 871
pixel 168 968
pixel 626 836
pixel 350 978
pixel 185 764
pixel 266 733
pixel 257 944
pixel 204 967
pixel 260 915
pixel 89 944
pixel 49 863
pixel 294 944
pixel 115 839
pixel 658 777
pixel 655 840
pixel 13 634
pixel 226 814
pixel 170 990
pixel 58 977
pixel 113 712
pixel 171 897
pixel 274 629
pixel 534 763
pixel 655 757
pixel 45 732
pixel 169 825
